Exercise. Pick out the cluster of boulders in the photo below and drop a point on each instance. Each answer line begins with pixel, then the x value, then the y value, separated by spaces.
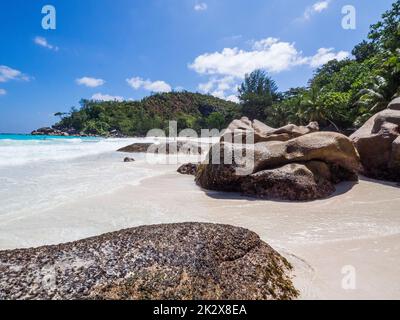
pixel 66 132
pixel 47 131
pixel 176 261
pixel 239 130
pixel 290 163
pixel 378 143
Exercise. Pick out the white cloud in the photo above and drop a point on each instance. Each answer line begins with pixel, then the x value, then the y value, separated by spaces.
pixel 221 87
pixel 232 98
pixel 317 7
pixel 269 54
pixel 40 41
pixel 156 86
pixel 321 6
pixel 90 82
pixel 226 69
pixel 3 92
pixel 325 55
pixel 106 97
pixel 7 74
pixel 201 6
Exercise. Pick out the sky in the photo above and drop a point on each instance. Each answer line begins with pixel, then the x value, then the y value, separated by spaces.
pixel 125 49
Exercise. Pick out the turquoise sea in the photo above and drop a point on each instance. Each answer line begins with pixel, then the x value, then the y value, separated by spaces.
pixel 28 137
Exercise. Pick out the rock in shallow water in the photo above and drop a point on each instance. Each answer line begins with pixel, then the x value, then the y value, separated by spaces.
pixel 183 147
pixel 176 261
pixel 188 168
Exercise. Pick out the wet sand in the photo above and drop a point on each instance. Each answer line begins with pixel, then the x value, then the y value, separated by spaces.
pixel 357 229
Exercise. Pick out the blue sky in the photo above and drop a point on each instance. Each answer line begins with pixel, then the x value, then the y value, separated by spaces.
pixel 125 49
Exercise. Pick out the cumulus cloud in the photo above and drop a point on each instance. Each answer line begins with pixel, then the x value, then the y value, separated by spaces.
pixel 106 97
pixel 227 68
pixel 269 54
pixel 156 86
pixel 90 82
pixel 325 55
pixel 7 74
pixel 3 92
pixel 40 41
pixel 317 7
pixel 220 87
pixel 201 6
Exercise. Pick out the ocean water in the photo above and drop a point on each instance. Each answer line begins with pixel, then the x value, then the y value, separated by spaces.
pixel 41 172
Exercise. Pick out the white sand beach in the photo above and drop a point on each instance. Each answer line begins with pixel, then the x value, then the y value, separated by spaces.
pixel 358 227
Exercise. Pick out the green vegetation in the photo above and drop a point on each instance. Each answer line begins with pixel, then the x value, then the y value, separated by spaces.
pixel 340 95
pixel 257 94
pixel 136 118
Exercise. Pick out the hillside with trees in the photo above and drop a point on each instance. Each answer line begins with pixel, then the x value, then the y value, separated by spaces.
pixel 136 118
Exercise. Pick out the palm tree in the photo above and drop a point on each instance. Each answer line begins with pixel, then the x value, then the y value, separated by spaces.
pixel 313 109
pixel 378 96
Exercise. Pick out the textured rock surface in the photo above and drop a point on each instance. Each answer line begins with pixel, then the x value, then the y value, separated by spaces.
pixel 184 147
pixel 377 142
pixel 177 261
pixel 188 168
pixel 291 182
pixel 263 133
pixel 136 148
pixel 268 173
pixel 395 104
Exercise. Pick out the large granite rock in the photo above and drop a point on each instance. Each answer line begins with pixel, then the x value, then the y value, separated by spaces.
pixel 377 142
pixel 263 133
pixel 182 147
pixel 291 182
pixel 177 261
pixel 268 171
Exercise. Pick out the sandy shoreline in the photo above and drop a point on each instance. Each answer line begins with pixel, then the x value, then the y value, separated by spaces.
pixel 358 227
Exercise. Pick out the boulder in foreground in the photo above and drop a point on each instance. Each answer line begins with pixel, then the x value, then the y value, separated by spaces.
pixel 176 261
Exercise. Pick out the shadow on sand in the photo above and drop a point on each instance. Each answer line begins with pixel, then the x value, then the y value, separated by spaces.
pixel 383 182
pixel 341 188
